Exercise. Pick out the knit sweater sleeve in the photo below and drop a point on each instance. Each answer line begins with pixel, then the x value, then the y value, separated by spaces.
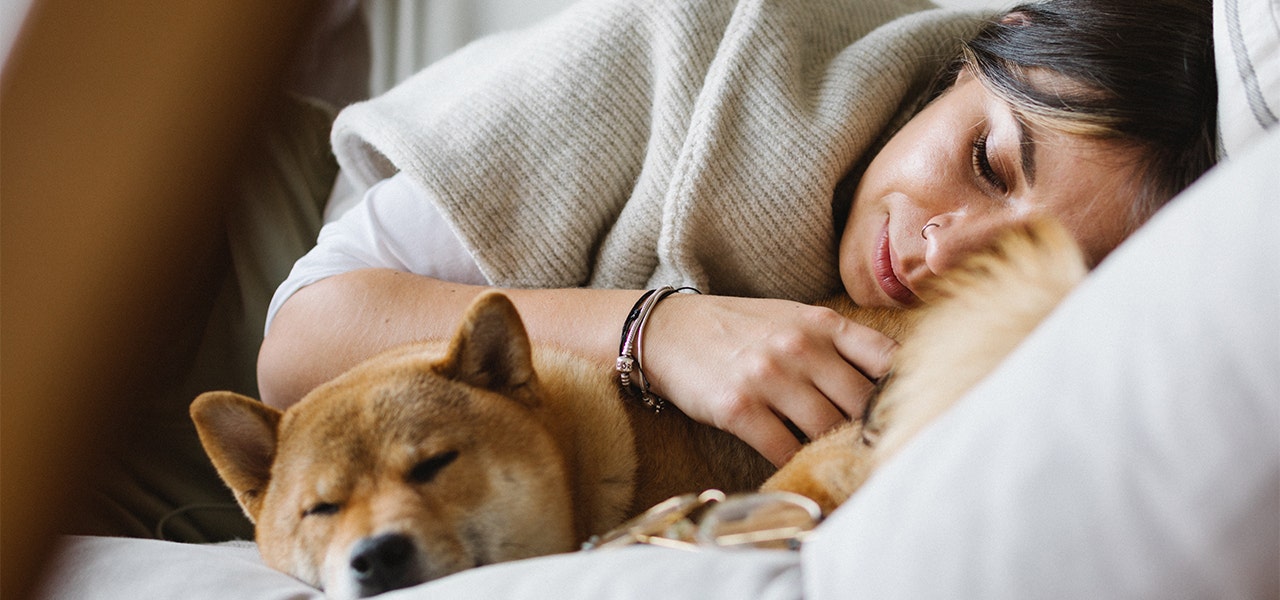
pixel 626 143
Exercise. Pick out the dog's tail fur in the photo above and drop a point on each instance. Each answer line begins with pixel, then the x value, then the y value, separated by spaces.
pixel 976 315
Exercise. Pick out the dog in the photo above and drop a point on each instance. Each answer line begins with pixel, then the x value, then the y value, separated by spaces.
pixel 434 458
pixel 437 457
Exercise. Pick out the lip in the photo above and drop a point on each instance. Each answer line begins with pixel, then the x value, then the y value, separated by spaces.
pixel 886 277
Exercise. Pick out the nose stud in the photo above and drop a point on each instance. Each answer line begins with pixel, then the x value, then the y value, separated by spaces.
pixel 924 229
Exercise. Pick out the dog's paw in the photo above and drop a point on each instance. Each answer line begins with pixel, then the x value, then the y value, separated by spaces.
pixel 827 470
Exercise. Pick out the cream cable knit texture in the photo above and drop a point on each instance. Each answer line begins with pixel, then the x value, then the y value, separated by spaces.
pixel 634 143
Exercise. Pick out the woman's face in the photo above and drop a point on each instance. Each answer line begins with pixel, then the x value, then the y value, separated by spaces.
pixel 970 166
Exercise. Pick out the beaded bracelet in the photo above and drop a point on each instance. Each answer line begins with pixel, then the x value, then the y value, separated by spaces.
pixel 630 347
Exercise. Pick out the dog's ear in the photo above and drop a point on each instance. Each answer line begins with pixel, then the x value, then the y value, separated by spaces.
pixel 491 349
pixel 239 434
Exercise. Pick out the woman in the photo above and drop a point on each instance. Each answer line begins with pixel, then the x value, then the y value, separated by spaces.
pixel 1093 112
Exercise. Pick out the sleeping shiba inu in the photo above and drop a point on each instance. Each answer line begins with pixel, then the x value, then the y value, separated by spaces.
pixel 432 458
pixel 437 457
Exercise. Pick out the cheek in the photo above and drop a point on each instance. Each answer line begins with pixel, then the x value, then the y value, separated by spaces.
pixel 1099 236
pixel 917 169
pixel 851 254
pixel 1099 217
pixel 297 548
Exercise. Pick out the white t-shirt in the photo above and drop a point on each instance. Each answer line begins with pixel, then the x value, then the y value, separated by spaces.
pixel 394 225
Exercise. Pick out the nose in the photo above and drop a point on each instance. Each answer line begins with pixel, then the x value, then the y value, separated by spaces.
pixel 383 563
pixel 949 238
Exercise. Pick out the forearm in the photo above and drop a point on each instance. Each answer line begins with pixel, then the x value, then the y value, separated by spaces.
pixel 331 325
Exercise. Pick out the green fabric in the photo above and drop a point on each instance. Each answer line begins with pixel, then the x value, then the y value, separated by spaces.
pixel 162 484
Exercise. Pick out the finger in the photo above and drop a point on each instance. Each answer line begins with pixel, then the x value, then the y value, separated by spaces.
pixel 763 430
pixel 868 350
pixel 810 411
pixel 844 386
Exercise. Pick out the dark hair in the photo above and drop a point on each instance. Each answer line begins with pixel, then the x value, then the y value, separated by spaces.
pixel 1138 71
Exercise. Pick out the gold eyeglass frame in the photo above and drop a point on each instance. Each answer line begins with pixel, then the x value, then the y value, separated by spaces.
pixel 768 520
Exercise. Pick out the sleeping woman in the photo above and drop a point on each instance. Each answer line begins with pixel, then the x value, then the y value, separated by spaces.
pixel 765 152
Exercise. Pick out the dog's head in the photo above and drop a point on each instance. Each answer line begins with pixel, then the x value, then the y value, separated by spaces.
pixel 409 467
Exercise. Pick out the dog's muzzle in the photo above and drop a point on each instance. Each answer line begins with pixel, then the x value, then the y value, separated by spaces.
pixel 383 563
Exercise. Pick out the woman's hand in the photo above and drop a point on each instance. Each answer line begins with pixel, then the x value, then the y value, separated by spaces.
pixel 749 365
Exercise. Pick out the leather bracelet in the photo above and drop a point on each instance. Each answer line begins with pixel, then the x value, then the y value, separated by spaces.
pixel 630 347
pixel 626 358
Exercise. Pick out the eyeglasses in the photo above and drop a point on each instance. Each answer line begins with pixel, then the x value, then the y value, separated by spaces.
pixel 773 520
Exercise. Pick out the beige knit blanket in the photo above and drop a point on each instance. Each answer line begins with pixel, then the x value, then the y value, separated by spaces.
pixel 635 143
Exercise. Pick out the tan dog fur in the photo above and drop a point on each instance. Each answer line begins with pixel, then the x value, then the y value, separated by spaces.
pixel 527 461
pixel 974 317
pixel 489 449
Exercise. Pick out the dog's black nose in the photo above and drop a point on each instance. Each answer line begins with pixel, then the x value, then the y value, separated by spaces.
pixel 383 563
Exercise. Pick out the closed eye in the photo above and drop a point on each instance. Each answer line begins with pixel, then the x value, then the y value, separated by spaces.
pixel 322 509
pixel 981 159
pixel 426 470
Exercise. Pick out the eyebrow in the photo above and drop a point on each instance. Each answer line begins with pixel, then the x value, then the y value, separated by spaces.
pixel 1026 149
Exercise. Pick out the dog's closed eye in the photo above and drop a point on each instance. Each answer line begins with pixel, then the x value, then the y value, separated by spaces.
pixel 322 509
pixel 426 470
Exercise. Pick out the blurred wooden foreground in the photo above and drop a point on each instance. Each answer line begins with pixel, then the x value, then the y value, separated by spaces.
pixel 119 124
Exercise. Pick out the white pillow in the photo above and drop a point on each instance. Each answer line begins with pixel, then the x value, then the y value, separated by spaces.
pixel 1247 54
pixel 1129 449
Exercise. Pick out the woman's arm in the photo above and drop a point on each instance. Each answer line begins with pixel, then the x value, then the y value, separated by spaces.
pixel 741 364
pixel 333 324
